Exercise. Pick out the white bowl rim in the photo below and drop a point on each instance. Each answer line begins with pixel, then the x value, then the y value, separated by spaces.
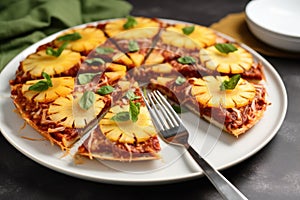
pixel 279 33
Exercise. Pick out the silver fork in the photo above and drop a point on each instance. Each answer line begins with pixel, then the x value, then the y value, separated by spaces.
pixel 172 130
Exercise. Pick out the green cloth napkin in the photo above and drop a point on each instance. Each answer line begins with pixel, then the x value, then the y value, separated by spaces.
pixel 24 22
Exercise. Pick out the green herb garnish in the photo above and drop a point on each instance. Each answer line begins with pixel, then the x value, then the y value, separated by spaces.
pixel 134 110
pixel 180 80
pixel 107 89
pixel 86 78
pixel 178 109
pixel 132 114
pixel 186 60
pixel 94 60
pixel 121 116
pixel 131 96
pixel 69 37
pixel 56 53
pixel 188 30
pixel 225 47
pixel 87 100
pixel 133 46
pixel 104 50
pixel 42 85
pixel 130 23
pixel 231 83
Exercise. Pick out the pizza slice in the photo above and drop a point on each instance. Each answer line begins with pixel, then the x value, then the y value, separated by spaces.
pixel 185 40
pixel 135 36
pixel 67 63
pixel 205 52
pixel 55 110
pixel 104 57
pixel 125 133
pixel 60 108
pixel 229 59
pixel 233 104
pixel 82 40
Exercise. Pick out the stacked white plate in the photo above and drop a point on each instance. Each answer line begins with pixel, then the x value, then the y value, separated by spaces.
pixel 275 22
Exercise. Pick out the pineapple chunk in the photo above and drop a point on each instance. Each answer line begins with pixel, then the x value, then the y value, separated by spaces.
pixel 145 28
pixel 61 87
pixel 137 58
pixel 125 85
pixel 113 76
pixel 115 67
pixel 207 92
pixel 164 80
pixel 163 68
pixel 127 131
pixel 90 39
pixel 155 57
pixel 199 38
pixel 40 62
pixel 122 58
pixel 233 62
pixel 67 112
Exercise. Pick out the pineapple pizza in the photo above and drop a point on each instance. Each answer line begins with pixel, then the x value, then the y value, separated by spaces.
pixel 93 75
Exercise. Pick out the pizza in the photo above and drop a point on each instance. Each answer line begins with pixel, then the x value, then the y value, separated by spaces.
pixel 92 75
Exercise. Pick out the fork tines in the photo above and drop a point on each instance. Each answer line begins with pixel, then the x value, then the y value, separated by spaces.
pixel 161 111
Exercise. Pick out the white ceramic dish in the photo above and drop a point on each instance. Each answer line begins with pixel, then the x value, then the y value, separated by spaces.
pixel 275 22
pixel 174 165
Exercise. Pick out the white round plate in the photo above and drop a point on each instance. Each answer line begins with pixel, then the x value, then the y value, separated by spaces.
pixel 275 22
pixel 174 165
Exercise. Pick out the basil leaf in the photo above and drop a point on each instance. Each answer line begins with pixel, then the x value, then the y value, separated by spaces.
pixel 178 109
pixel 133 46
pixel 130 23
pixel 56 53
pixel 48 79
pixel 186 60
pixel 134 110
pixel 42 85
pixel 39 86
pixel 231 83
pixel 94 60
pixel 121 116
pixel 86 78
pixel 69 37
pixel 131 96
pixel 104 50
pixel 180 80
pixel 188 30
pixel 107 89
pixel 225 47
pixel 87 100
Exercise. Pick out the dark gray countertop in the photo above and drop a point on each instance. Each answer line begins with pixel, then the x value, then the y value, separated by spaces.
pixel 272 173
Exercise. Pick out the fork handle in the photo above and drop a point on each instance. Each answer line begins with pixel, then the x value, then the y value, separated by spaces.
pixel 225 188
